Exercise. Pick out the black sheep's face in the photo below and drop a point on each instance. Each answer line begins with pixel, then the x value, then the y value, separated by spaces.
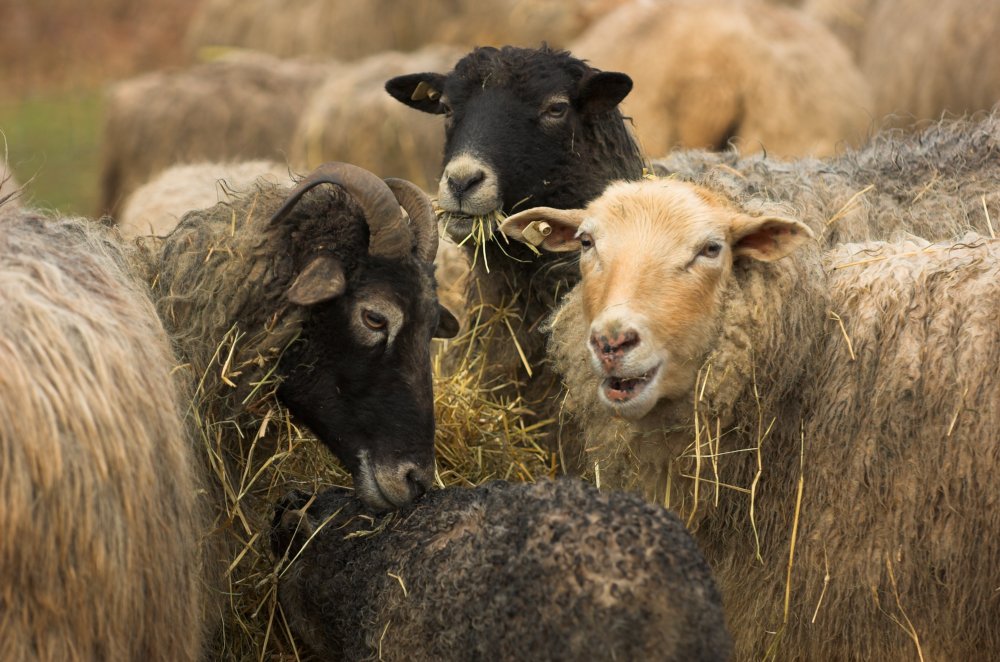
pixel 360 377
pixel 515 138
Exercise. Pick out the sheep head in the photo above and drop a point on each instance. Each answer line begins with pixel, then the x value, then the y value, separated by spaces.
pixel 656 259
pixel 523 126
pixel 360 374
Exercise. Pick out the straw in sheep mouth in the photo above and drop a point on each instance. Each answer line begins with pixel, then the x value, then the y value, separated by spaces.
pixel 477 231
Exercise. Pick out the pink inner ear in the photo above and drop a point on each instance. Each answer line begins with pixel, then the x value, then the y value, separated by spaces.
pixel 765 239
pixel 561 234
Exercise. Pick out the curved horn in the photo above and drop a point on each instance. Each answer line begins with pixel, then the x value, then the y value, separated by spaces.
pixel 389 235
pixel 423 221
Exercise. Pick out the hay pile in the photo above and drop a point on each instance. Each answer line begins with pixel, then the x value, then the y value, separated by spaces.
pixel 478 439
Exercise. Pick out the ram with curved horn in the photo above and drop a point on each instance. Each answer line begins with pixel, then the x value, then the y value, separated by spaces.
pixel 331 287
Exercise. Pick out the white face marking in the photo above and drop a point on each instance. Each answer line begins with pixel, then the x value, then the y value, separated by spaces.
pixel 630 382
pixel 554 110
pixel 376 318
pixel 468 186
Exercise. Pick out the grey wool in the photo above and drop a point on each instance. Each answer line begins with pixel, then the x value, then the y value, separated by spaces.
pixel 937 183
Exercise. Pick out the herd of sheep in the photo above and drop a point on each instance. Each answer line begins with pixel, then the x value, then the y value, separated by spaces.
pixel 748 300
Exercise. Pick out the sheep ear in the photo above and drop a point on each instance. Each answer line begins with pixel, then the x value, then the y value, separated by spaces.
pixel 544 227
pixel 322 279
pixel 603 91
pixel 767 238
pixel 447 324
pixel 420 91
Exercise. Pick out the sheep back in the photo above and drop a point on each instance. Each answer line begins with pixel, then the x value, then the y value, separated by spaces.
pixel 289 28
pixel 552 570
pixel 100 553
pixel 242 106
pixel 936 184
pixel 895 446
pixel 925 58
pixel 155 207
pixel 767 78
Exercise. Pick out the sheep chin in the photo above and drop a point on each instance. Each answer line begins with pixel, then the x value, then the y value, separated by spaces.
pixel 366 486
pixel 457 226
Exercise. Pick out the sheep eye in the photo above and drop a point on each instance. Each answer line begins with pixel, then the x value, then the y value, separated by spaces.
pixel 373 320
pixel 557 110
pixel 711 249
pixel 586 241
pixel 447 109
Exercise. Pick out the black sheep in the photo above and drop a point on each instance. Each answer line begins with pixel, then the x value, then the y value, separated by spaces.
pixel 523 128
pixel 554 570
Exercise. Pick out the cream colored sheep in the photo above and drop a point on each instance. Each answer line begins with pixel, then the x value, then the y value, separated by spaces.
pixel 708 73
pixel 846 19
pixel 155 207
pixel 923 59
pixel 243 106
pixel 348 29
pixel 827 422
pixel 102 512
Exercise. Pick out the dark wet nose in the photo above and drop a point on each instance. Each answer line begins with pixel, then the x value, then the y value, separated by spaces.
pixel 611 347
pixel 462 185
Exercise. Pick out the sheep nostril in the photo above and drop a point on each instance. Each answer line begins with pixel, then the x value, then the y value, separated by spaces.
pixel 619 344
pixel 418 484
pixel 629 339
pixel 464 184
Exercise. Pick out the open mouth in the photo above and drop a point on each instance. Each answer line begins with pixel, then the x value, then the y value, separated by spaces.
pixel 620 390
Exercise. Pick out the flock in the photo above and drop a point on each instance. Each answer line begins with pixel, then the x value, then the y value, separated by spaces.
pixel 733 263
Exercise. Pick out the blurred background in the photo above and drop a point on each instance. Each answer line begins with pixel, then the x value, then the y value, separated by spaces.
pixel 98 97
pixel 55 58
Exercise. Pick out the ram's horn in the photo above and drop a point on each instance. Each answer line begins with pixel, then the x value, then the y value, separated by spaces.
pixel 423 221
pixel 389 234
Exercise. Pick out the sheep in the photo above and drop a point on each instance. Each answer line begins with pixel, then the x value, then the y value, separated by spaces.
pixel 353 103
pixel 553 570
pixel 307 307
pixel 522 126
pixel 729 74
pixel 825 421
pixel 304 27
pixel 100 556
pixel 846 19
pixel 922 59
pixel 937 183
pixel 334 291
pixel 244 106
pixel 154 208
pixel 926 58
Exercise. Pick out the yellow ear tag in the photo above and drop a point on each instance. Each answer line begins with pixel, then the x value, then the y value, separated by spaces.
pixel 424 91
pixel 535 232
